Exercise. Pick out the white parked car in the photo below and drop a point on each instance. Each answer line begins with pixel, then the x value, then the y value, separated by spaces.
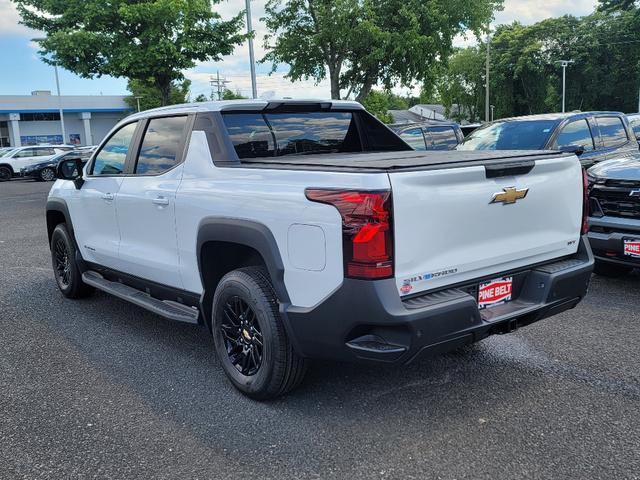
pixel 21 157
pixel 301 230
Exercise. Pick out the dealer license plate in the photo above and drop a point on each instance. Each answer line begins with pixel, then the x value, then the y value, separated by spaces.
pixel 495 292
pixel 632 247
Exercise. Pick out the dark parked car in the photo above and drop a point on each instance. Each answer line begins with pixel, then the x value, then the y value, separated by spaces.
pixel 429 135
pixel 596 136
pixel 46 171
pixel 614 215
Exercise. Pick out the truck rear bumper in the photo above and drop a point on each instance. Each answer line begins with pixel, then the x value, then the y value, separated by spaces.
pixel 367 320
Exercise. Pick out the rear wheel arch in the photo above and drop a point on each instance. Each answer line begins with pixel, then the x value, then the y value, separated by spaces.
pixel 6 165
pixel 226 244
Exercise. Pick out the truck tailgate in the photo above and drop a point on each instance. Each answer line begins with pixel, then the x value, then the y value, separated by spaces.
pixel 447 230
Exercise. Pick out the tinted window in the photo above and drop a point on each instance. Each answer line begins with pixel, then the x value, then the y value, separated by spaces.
pixel 159 149
pixel 612 131
pixel 443 138
pixel 110 160
pixel 277 134
pixel 414 138
pixel 513 135
pixel 42 152
pixel 575 133
pixel 27 152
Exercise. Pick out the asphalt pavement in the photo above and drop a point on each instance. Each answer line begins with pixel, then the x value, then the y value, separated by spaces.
pixel 98 388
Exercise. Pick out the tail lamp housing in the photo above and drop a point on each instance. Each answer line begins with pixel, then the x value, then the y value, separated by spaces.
pixel 367 230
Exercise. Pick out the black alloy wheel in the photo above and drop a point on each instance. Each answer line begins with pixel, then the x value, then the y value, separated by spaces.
pixel 62 263
pixel 242 336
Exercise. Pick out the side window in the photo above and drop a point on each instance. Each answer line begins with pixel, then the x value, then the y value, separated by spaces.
pixel 612 131
pixel 575 133
pixel 110 159
pixel 444 138
pixel 414 138
pixel 159 148
pixel 43 152
pixel 27 152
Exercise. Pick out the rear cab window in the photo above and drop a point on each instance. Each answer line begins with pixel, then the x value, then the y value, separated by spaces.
pixel 278 134
pixel 612 131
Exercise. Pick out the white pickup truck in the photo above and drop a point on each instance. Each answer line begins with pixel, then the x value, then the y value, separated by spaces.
pixel 299 230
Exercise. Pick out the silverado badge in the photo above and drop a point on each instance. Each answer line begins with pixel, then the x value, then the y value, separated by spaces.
pixel 509 195
pixel 634 193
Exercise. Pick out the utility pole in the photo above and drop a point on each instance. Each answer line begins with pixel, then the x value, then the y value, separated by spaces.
pixel 252 60
pixel 486 98
pixel 564 64
pixel 218 83
pixel 64 134
pixel 138 101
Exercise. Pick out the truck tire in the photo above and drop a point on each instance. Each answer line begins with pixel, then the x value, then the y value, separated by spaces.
pixel 250 339
pixel 65 267
pixel 5 174
pixel 612 270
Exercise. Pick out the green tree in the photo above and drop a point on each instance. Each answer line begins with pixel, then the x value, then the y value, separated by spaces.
pixel 462 84
pixel 231 95
pixel 151 97
pixel 613 5
pixel 358 44
pixel 380 102
pixel 201 98
pixel 151 41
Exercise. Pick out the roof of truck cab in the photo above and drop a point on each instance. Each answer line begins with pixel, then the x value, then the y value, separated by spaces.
pixel 245 104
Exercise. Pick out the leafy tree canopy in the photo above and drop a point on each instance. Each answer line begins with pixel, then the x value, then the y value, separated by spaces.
pixel 144 40
pixel 380 102
pixel 358 44
pixel 150 96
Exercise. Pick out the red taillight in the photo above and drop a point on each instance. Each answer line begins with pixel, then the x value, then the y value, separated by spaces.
pixel 585 203
pixel 366 230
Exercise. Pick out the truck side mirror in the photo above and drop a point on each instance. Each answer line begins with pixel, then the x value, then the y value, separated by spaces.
pixel 575 149
pixel 71 169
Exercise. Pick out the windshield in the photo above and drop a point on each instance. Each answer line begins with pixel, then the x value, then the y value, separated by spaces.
pixel 4 153
pixel 512 135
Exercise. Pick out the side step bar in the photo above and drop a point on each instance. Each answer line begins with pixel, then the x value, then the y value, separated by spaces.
pixel 165 308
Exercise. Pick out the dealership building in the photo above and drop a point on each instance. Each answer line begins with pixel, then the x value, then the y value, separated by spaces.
pixel 35 119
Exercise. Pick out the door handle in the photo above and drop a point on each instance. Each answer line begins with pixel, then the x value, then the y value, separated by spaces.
pixel 160 201
pixel 108 197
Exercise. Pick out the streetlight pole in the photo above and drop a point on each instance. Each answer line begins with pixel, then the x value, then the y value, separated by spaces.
pixel 486 98
pixel 564 64
pixel 252 60
pixel 64 134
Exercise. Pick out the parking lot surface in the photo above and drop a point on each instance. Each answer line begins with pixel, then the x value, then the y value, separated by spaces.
pixel 101 389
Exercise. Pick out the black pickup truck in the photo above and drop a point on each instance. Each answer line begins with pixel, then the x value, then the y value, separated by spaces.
pixel 614 204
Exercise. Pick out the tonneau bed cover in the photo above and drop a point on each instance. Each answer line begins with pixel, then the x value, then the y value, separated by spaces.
pixel 403 160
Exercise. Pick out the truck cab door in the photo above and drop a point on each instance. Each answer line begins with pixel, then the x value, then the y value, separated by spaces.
pixel 146 203
pixel 93 207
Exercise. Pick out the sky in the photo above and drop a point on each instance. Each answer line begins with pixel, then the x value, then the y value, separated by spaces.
pixel 23 71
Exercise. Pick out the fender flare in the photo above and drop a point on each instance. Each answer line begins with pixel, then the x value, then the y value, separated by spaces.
pixel 248 233
pixel 58 205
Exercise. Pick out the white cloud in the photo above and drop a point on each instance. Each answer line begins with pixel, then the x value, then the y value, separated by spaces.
pixel 532 11
pixel 9 21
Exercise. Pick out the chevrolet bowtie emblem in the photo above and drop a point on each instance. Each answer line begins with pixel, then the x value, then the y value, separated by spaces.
pixel 509 195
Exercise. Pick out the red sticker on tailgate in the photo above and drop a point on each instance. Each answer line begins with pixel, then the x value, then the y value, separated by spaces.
pixel 495 292
pixel 632 248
